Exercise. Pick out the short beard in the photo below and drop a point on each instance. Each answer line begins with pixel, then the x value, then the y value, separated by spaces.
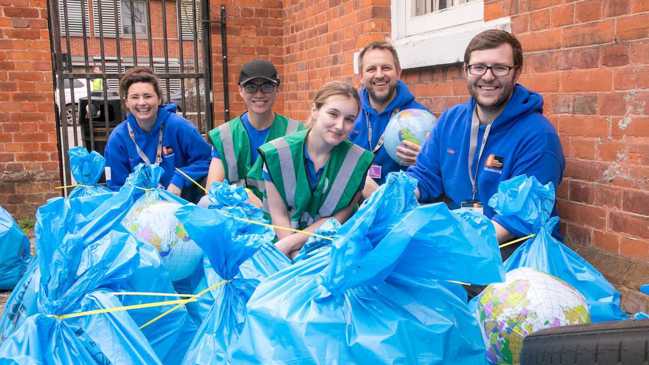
pixel 498 105
pixel 382 100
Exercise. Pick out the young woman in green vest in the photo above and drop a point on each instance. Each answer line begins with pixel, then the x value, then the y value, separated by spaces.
pixel 235 143
pixel 315 174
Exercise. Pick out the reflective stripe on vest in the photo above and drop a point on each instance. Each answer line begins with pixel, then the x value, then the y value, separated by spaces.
pixel 228 152
pixel 259 184
pixel 340 183
pixel 288 171
pixel 292 126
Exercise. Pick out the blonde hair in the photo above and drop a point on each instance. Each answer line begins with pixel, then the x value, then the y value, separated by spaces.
pixel 333 88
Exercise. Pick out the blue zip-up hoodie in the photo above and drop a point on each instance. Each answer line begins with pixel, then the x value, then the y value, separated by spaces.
pixel 521 141
pixel 402 100
pixel 182 146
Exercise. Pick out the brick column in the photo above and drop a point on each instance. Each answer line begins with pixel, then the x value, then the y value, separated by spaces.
pixel 28 154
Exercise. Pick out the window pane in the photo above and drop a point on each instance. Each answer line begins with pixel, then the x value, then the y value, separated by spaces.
pixel 423 7
pixel 137 10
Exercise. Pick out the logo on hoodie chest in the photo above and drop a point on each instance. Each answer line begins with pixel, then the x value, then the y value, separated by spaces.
pixel 494 163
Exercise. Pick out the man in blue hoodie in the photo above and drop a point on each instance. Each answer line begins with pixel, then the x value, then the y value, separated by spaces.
pixel 498 134
pixel 383 95
pixel 154 133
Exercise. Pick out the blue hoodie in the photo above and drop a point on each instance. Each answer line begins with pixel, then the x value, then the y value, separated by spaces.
pixel 402 100
pixel 183 147
pixel 521 141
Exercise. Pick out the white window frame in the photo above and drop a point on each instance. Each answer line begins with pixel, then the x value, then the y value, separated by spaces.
pixel 437 38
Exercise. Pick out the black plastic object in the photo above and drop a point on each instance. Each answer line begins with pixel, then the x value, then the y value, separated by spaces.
pixel 103 121
pixel 610 343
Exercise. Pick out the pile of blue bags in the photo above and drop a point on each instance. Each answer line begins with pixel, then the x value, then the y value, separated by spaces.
pixel 531 203
pixel 380 293
pixel 384 287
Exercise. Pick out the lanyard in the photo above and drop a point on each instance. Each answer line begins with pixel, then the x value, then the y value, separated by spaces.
pixel 379 143
pixel 473 144
pixel 143 156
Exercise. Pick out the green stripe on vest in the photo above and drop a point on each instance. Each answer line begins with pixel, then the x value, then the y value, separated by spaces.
pixel 238 162
pixel 284 159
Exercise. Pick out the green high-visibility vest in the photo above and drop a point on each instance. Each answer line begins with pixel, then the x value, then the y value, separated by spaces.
pixel 343 176
pixel 231 141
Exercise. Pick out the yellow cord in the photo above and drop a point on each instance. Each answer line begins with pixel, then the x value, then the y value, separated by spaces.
pixel 516 241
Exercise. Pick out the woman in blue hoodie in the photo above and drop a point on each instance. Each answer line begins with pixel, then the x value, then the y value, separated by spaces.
pixel 154 134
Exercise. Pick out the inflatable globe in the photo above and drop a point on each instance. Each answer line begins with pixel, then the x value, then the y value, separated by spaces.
pixel 412 125
pixel 154 221
pixel 526 302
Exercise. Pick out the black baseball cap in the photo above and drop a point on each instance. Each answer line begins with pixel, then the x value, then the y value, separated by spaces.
pixel 258 69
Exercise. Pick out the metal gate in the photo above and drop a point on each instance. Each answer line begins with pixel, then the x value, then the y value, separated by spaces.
pixel 95 41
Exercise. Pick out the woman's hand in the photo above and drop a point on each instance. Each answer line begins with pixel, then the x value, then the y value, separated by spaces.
pixel 287 246
pixel 174 189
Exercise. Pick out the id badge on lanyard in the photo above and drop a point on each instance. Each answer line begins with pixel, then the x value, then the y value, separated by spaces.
pixel 141 153
pixel 375 171
pixel 475 204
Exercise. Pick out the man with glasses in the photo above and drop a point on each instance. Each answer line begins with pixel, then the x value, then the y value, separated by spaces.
pixel 235 143
pixel 498 134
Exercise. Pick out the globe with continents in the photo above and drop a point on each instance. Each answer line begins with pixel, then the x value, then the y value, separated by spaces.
pixel 154 221
pixel 526 302
pixel 411 125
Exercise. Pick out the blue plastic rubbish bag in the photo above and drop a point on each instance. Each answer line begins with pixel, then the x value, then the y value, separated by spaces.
pixel 239 252
pixel 84 263
pixel 86 169
pixel 358 303
pixel 72 269
pixel 530 201
pixel 14 251
pixel 82 200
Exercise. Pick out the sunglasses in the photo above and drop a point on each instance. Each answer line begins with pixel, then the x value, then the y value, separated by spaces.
pixel 266 87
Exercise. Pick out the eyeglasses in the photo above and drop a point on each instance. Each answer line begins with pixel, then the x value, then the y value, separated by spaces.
pixel 266 87
pixel 497 70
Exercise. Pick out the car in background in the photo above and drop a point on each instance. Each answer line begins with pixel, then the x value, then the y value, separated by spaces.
pixel 73 88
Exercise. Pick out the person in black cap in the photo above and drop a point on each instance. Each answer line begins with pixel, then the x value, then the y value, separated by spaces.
pixel 235 143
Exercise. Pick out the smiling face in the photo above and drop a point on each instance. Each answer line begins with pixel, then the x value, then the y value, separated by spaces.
pixel 258 102
pixel 335 119
pixel 379 75
pixel 142 101
pixel 489 91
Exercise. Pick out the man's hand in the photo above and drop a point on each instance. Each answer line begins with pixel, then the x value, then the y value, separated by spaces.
pixel 174 189
pixel 407 152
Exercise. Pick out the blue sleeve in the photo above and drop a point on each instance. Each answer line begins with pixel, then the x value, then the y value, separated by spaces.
pixel 427 169
pixel 116 155
pixel 197 156
pixel 543 158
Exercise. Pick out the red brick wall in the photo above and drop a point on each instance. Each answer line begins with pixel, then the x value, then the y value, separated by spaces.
pixel 320 38
pixel 29 168
pixel 592 68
